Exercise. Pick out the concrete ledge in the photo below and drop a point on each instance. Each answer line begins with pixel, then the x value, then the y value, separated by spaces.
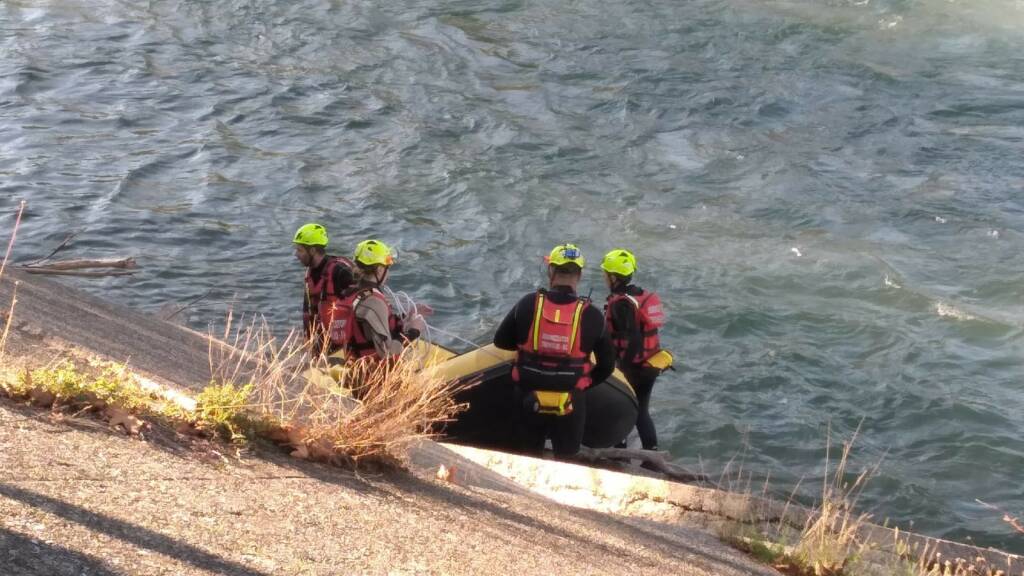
pixel 665 501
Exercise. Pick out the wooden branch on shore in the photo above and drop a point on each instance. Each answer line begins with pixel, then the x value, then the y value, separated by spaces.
pixel 85 273
pixel 123 263
pixel 656 461
pixel 1013 521
pixel 120 267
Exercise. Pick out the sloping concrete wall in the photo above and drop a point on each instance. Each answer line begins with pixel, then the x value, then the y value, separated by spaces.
pixel 665 501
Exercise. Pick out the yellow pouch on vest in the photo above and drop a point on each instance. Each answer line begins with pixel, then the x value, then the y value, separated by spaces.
pixel 662 360
pixel 556 403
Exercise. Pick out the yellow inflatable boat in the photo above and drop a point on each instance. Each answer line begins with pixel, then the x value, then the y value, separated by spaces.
pixel 612 406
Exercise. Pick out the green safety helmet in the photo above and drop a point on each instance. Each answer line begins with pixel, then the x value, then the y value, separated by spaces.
pixel 619 261
pixel 565 254
pixel 373 253
pixel 311 234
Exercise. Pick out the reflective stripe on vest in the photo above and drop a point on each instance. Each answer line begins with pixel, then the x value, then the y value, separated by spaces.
pixel 551 358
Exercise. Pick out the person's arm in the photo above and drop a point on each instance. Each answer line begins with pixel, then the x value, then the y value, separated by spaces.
pixel 624 321
pixel 604 351
pixel 372 315
pixel 507 335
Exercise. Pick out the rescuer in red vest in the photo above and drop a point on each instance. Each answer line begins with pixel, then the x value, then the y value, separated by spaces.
pixel 553 332
pixel 327 278
pixel 632 318
pixel 363 323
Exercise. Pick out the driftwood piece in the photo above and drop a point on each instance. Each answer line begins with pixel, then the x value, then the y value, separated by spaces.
pixel 124 263
pixel 655 460
pixel 87 273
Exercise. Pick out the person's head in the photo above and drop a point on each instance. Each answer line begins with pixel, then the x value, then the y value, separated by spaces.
pixel 372 259
pixel 619 266
pixel 310 244
pixel 565 265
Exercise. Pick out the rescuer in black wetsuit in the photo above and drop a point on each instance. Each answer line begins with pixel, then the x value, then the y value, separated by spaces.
pixel 553 332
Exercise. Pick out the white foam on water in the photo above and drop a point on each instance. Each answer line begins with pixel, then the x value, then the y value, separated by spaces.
pixel 889 283
pixel 890 23
pixel 949 311
pixel 796 251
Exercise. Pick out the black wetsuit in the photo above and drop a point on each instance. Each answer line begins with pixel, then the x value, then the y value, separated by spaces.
pixel 566 432
pixel 640 376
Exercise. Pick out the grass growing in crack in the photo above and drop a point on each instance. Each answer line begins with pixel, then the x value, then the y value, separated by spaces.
pixel 832 539
pixel 221 408
pixel 831 536
pixel 97 386
pixel 828 543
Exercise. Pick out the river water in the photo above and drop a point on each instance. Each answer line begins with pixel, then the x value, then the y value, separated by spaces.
pixel 827 193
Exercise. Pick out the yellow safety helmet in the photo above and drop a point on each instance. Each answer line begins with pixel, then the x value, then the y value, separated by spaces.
pixel 565 254
pixel 373 253
pixel 311 234
pixel 619 261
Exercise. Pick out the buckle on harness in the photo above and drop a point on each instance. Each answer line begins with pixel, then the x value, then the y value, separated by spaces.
pixel 552 403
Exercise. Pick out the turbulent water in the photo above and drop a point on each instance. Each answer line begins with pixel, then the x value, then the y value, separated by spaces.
pixel 828 193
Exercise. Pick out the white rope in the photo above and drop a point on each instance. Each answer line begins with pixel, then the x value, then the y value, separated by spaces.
pixel 399 297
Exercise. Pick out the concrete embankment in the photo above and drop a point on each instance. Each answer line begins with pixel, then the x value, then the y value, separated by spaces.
pixel 77 498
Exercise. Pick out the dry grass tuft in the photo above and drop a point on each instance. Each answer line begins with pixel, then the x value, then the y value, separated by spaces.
pixel 398 404
pixel 831 535
pixel 834 538
pixel 3 267
pixel 367 412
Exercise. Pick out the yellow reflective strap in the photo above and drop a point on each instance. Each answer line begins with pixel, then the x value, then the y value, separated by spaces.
pixel 536 320
pixel 575 324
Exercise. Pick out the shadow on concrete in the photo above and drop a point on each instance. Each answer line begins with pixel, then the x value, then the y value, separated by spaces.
pixel 654 536
pixel 132 533
pixel 26 556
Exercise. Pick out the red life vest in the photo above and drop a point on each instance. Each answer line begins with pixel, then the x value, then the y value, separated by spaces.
pixel 649 317
pixel 345 330
pixel 323 295
pixel 551 358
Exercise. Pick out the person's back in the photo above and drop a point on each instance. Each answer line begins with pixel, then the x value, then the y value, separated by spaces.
pixel 633 317
pixel 554 332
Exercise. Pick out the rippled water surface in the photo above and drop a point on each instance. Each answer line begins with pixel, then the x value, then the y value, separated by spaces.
pixel 827 192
